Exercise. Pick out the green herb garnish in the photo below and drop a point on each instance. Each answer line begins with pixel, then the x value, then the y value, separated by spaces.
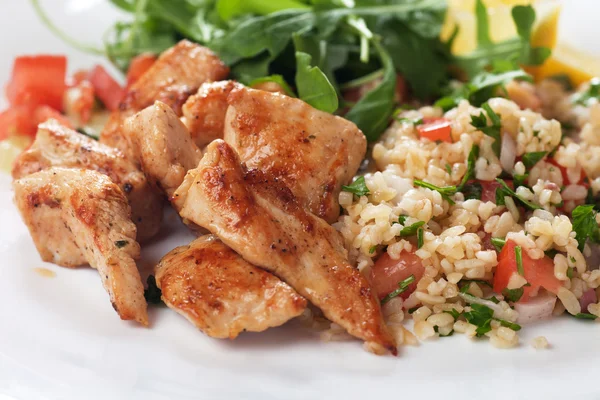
pixel 278 79
pixel 593 92
pixel 585 225
pixel 519 258
pixel 358 187
pixel 446 191
pixel 481 316
pixel 481 122
pixel 455 314
pixel 402 286
pixel 530 159
pixel 411 229
pixel 511 325
pixel 513 295
pixel 472 190
pixel 585 316
pixel 470 174
pixel 498 243
pixel 570 272
pixel 505 191
pixel 420 239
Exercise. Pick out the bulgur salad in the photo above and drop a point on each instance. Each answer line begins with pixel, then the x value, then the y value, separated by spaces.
pixel 342 163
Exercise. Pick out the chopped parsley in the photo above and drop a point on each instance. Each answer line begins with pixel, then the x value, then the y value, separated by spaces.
pixel 358 187
pixel 570 272
pixel 494 300
pixel 593 92
pixel 519 258
pixel 505 191
pixel 585 316
pixel 415 122
pixel 448 169
pixel 519 180
pixel 411 230
pixel 585 225
pixel 498 243
pixel 402 219
pixel 372 249
pixel 508 324
pixel 121 243
pixel 455 314
pixel 530 159
pixel 152 293
pixel 481 316
pixel 513 295
pixel 471 160
pixel 445 191
pixel 402 286
pixel 420 239
pixel 481 122
pixel 472 191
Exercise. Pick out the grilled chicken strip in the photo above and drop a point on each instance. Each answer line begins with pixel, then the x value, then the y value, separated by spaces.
pixel 258 217
pixel 312 152
pixel 83 211
pixel 58 146
pixel 176 75
pixel 166 150
pixel 221 293
pixel 204 112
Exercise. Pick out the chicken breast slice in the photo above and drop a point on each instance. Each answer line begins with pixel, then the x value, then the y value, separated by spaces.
pixel 312 152
pixel 221 293
pixel 58 146
pixel 176 75
pixel 97 227
pixel 259 218
pixel 166 150
pixel 204 112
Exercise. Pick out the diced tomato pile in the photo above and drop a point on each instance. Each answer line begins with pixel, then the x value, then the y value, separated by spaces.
pixel 538 273
pixel 37 89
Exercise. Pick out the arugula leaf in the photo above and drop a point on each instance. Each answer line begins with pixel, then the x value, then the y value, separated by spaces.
pixel 530 159
pixel 480 122
pixel 358 187
pixel 372 113
pixel 504 191
pixel 446 191
pixel 585 225
pixel 402 286
pixel 278 79
pixel 498 243
pixel 480 316
pixel 313 85
pixel 411 229
pixel 472 191
pixel 152 293
pixel 471 160
pixel 228 9
pixel 513 295
pixel 483 26
pixel 524 18
pixel 519 258
pixel 593 92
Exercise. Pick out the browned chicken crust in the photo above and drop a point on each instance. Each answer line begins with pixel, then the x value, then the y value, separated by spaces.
pixel 204 112
pixel 221 293
pixel 58 146
pixel 312 152
pixel 166 151
pixel 84 212
pixel 259 218
pixel 176 75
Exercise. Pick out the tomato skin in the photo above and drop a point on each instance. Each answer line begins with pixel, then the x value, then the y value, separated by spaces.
pixel 565 176
pixel 37 80
pixel 44 113
pixel 538 273
pixel 387 273
pixel 138 67
pixel 488 192
pixel 17 120
pixel 436 129
pixel 106 88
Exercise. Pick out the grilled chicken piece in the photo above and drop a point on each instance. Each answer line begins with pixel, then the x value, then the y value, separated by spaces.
pixel 259 218
pixel 176 75
pixel 84 212
pixel 58 146
pixel 312 152
pixel 166 151
pixel 204 112
pixel 221 293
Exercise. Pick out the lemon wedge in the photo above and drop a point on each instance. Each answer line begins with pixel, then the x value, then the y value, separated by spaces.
pixel 10 149
pixel 566 60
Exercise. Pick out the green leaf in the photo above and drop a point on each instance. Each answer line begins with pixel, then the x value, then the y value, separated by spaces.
pixel 446 191
pixel 483 27
pixel 420 238
pixel 481 122
pixel 507 191
pixel 358 187
pixel 519 258
pixel 498 243
pixel 402 219
pixel 524 18
pixel 530 159
pixel 313 85
pixel 455 314
pixel 585 316
pixel 511 325
pixel 584 224
pixel 472 191
pixel 228 9
pixel 513 295
pixel 520 180
pixel 402 286
pixel 372 113
pixel 570 272
pixel 480 316
pixel 470 174
pixel 411 230
pixel 278 79
pixel 592 92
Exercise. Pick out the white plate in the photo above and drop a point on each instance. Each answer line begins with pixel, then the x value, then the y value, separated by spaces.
pixel 61 339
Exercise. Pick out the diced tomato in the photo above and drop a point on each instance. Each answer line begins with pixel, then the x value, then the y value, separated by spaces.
pixel 38 80
pixel 488 192
pixel 79 76
pixel 44 113
pixel 436 129
pixel 106 88
pixel 387 273
pixel 565 176
pixel 538 273
pixel 16 120
pixel 138 67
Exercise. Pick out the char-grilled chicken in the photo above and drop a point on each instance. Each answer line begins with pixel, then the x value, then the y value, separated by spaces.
pixel 79 216
pixel 204 112
pixel 312 152
pixel 165 149
pixel 258 217
pixel 221 293
pixel 58 146
pixel 176 75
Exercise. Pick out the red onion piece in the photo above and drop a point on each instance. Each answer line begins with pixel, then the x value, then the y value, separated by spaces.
pixel 588 297
pixel 535 309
